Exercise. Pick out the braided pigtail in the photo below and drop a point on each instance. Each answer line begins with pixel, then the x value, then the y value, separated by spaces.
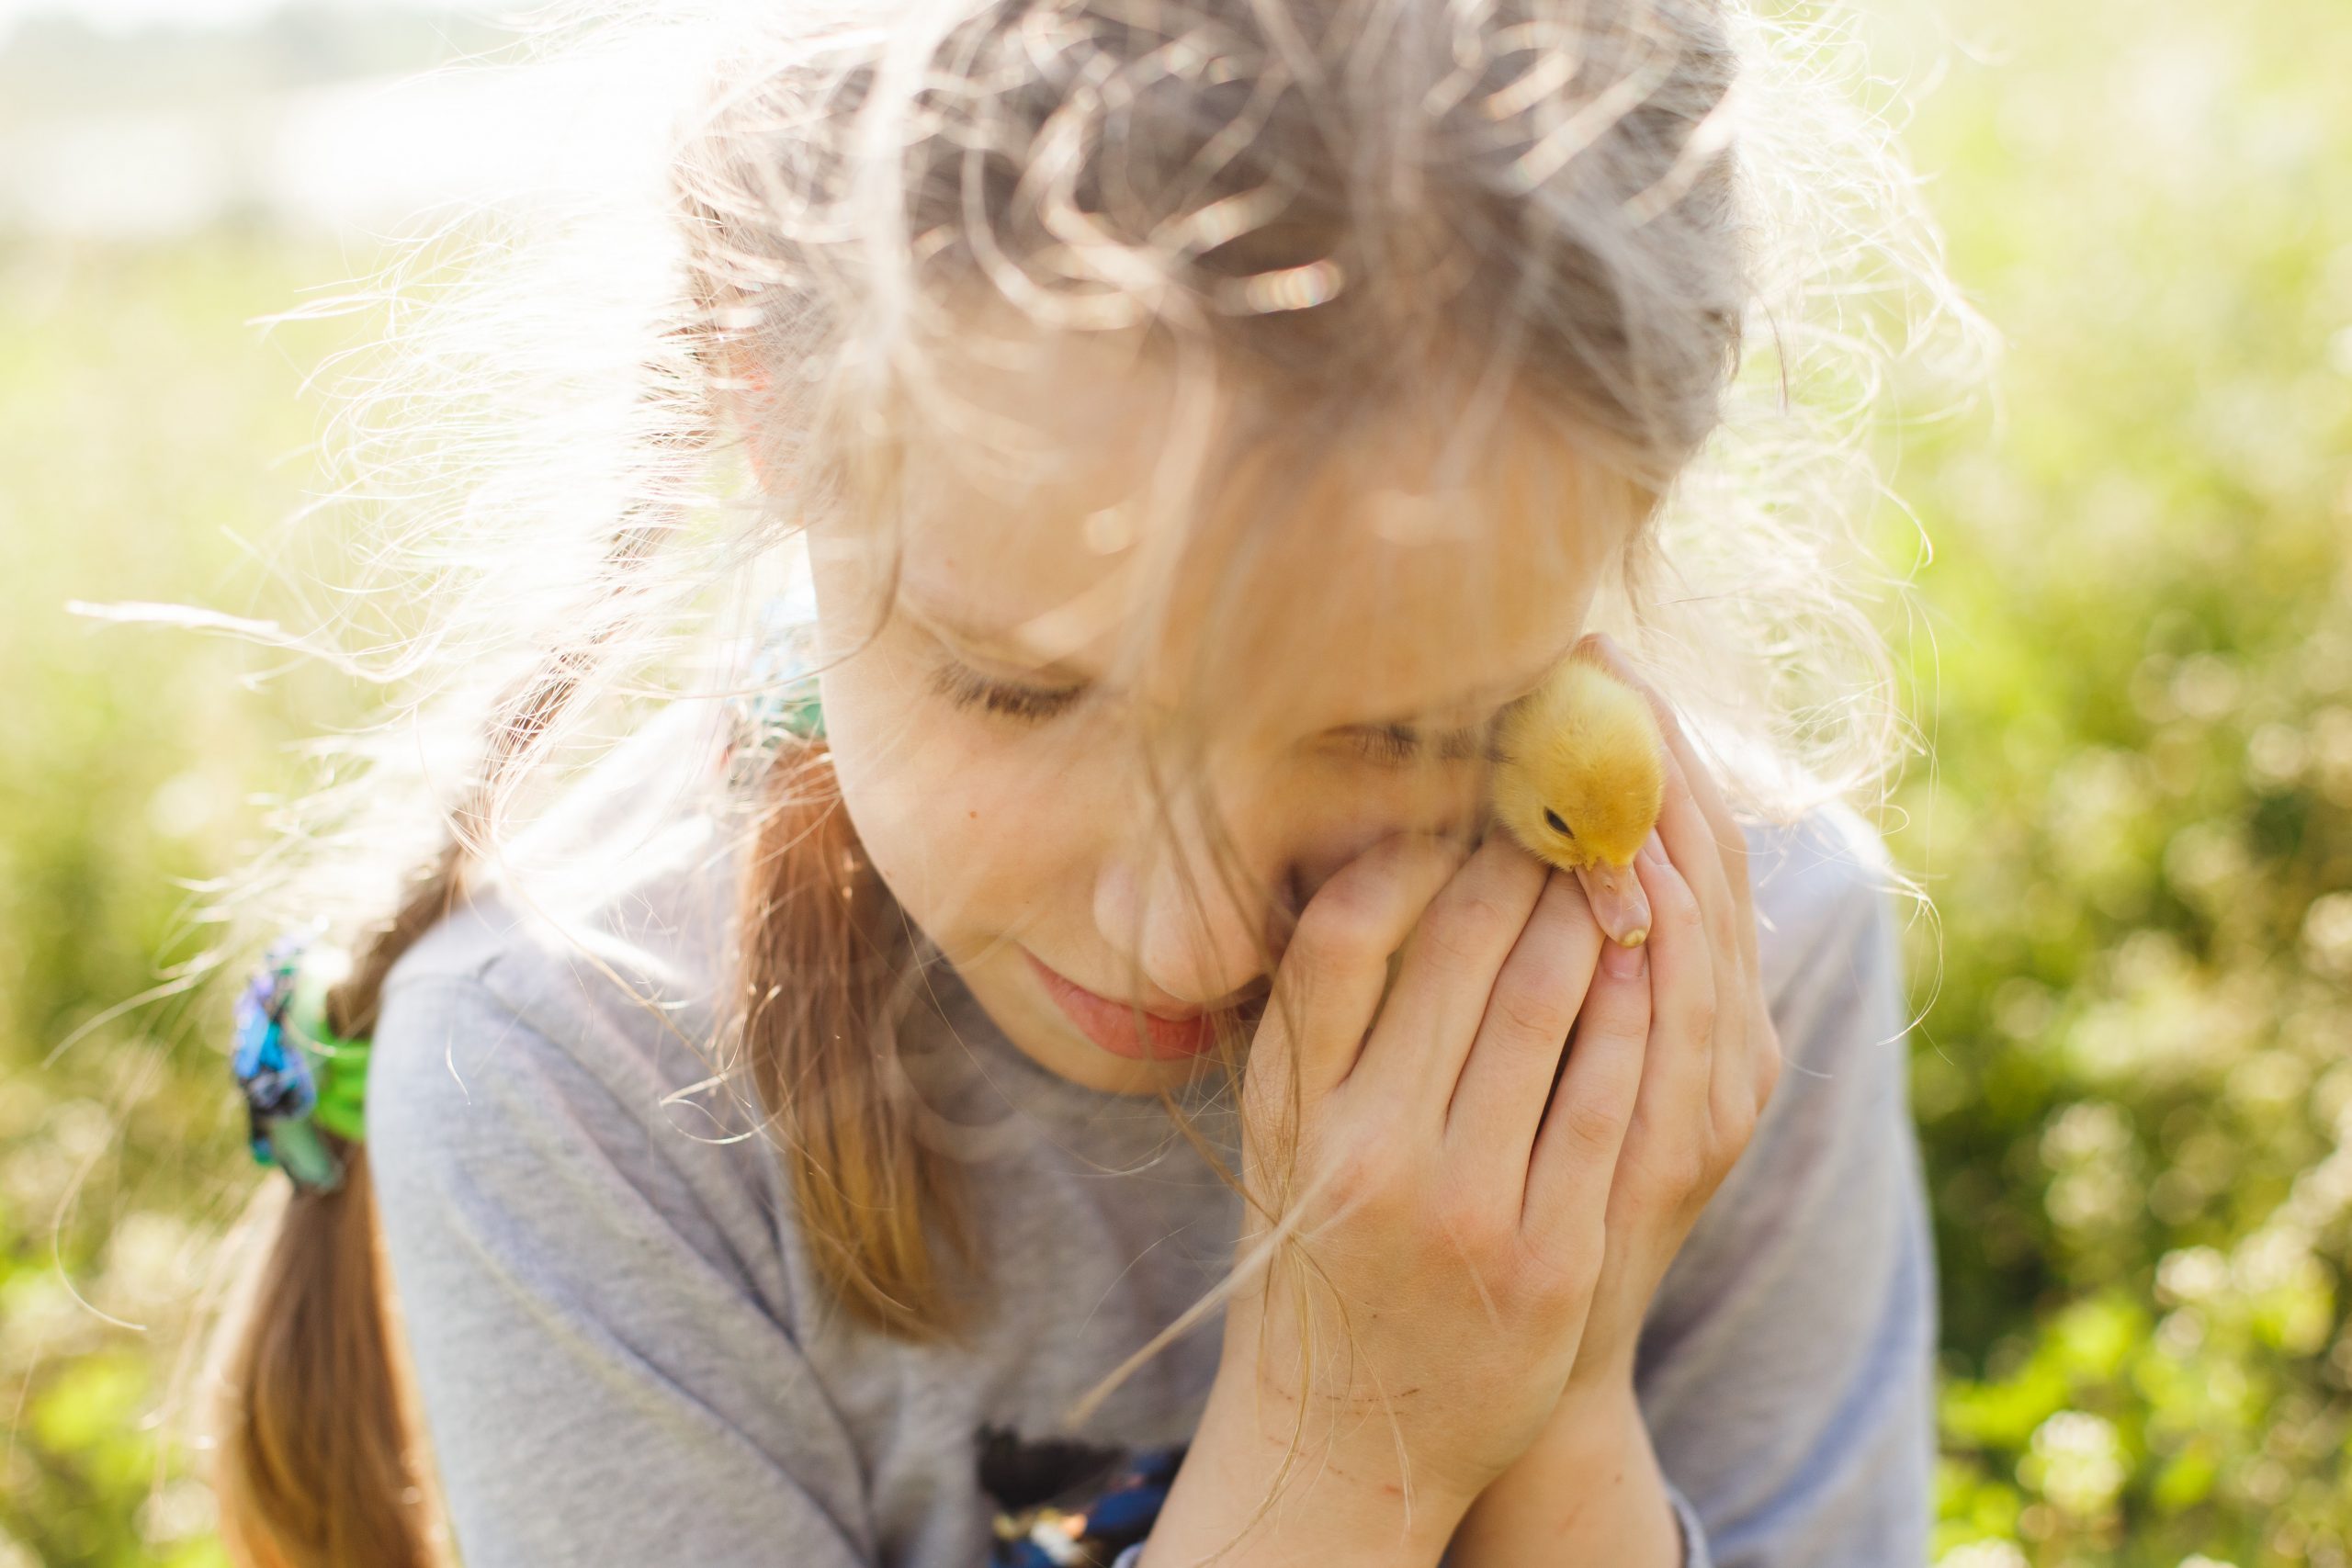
pixel 316 1467
pixel 321 1463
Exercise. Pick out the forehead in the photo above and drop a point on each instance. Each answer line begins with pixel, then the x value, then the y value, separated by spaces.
pixel 1203 540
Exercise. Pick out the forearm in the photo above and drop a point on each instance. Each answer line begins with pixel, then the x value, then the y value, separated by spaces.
pixel 1226 1500
pixel 1589 1493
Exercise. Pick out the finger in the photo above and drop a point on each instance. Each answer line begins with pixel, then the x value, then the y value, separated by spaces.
pixel 1719 1095
pixel 1680 1074
pixel 1697 854
pixel 1584 1127
pixel 1700 1072
pixel 1701 869
pixel 1448 971
pixel 1722 883
pixel 1723 827
pixel 1332 974
pixel 1498 1103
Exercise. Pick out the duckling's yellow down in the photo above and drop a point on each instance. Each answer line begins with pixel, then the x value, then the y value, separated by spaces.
pixel 1580 779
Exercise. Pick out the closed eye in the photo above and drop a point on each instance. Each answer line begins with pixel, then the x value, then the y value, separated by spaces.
pixel 1404 742
pixel 968 688
pixel 1552 820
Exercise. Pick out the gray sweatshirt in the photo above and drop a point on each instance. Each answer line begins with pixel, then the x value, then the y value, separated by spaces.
pixel 625 1356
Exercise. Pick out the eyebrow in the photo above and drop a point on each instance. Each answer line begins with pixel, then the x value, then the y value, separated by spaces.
pixel 1499 693
pixel 999 644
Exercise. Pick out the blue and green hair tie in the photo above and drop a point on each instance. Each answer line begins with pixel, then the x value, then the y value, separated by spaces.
pixel 299 1078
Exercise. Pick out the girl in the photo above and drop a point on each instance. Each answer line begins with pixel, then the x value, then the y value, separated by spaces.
pixel 1072 1074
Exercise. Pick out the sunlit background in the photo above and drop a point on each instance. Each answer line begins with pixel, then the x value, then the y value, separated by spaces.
pixel 2132 649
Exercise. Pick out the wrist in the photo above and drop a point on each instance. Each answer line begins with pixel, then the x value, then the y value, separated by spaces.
pixel 1590 1490
pixel 1278 1496
pixel 1597 1408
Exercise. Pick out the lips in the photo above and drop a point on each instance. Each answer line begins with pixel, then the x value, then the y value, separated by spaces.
pixel 1114 1025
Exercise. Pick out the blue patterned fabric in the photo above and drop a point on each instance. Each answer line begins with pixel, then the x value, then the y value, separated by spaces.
pixel 1106 1533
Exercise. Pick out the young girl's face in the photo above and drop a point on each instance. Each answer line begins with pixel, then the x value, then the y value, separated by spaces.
pixel 1012 663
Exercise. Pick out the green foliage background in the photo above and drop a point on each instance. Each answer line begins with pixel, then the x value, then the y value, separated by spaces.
pixel 2133 657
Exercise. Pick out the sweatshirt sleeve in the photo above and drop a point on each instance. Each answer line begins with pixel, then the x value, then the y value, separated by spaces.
pixel 1786 1368
pixel 596 1329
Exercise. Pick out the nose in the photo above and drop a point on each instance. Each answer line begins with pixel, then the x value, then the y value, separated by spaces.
pixel 1193 912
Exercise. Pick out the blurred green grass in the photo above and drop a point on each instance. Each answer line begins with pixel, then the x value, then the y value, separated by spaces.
pixel 2133 656
pixel 148 438
pixel 2132 1076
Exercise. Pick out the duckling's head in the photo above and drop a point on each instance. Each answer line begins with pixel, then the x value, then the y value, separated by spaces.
pixel 1579 780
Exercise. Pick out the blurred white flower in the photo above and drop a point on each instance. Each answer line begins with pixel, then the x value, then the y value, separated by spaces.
pixel 2088 1130
pixel 2192 1275
pixel 2331 735
pixel 2078 1462
pixel 1984 1554
pixel 2272 1258
pixel 2204 859
pixel 175 1512
pixel 2275 756
pixel 2271 1080
pixel 2205 686
pixel 2327 936
pixel 2339 354
pixel 153 1258
pixel 2095 1179
pixel 2181 1333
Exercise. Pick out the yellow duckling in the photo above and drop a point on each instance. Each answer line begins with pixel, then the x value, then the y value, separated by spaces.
pixel 1580 779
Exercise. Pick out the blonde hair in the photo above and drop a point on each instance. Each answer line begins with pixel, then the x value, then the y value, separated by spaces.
pixel 1665 219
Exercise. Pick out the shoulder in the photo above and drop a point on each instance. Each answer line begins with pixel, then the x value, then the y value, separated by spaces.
pixel 599 935
pixel 1825 892
pixel 1786 1362
pixel 566 1013
pixel 523 1108
pixel 491 1022
pixel 494 997
pixel 1824 1191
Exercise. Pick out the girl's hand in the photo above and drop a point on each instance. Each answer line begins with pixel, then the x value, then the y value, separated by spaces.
pixel 1714 1056
pixel 1590 1489
pixel 1450 1199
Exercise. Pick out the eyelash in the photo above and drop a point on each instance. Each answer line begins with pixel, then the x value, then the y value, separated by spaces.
pixel 968 688
pixel 1403 743
pixel 1390 743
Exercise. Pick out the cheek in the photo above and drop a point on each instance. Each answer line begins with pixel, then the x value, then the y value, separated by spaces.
pixel 973 830
pixel 1337 819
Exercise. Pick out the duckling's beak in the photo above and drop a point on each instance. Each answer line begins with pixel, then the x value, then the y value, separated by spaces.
pixel 1618 901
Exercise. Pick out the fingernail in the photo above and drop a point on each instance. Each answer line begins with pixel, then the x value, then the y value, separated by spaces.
pixel 1625 963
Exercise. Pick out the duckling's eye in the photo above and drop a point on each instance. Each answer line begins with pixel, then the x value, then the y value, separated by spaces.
pixel 968 688
pixel 1552 820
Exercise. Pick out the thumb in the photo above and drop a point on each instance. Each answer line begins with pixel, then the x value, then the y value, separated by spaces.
pixel 1337 970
